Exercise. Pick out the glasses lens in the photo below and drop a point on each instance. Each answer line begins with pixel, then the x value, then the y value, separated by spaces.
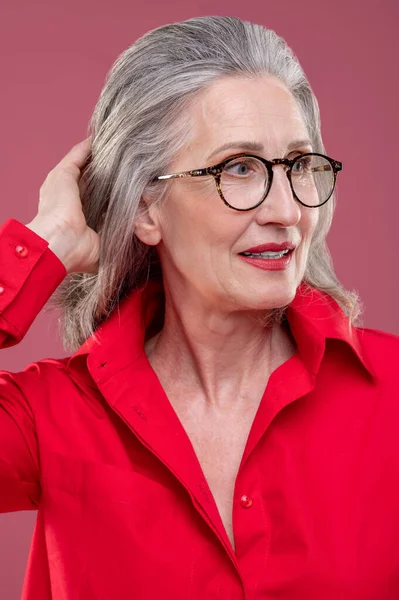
pixel 244 181
pixel 313 180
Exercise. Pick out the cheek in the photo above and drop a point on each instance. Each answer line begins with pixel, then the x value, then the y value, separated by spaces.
pixel 187 207
pixel 196 213
pixel 309 223
pixel 187 227
pixel 199 231
pixel 310 219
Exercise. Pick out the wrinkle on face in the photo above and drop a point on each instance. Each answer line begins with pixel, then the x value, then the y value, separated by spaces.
pixel 217 303
pixel 247 114
pixel 201 235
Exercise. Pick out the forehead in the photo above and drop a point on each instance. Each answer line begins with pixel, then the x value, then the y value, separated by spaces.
pixel 240 108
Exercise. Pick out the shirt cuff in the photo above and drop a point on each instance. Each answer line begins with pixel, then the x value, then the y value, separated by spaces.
pixel 29 274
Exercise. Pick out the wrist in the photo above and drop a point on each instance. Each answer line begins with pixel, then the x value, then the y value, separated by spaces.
pixel 59 241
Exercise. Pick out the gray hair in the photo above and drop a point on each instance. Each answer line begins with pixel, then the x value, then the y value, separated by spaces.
pixel 139 125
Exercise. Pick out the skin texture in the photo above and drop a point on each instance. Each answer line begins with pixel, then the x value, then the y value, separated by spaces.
pixel 213 356
pixel 212 295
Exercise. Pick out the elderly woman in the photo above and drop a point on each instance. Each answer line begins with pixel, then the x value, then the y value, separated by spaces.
pixel 223 428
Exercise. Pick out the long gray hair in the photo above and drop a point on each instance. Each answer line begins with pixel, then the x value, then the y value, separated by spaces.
pixel 139 125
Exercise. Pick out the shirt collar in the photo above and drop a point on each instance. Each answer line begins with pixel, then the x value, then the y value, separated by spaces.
pixel 313 317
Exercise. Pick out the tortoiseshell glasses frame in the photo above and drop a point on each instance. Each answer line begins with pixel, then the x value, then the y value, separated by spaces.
pixel 216 172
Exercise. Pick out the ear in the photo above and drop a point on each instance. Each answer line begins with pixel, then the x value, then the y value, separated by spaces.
pixel 147 223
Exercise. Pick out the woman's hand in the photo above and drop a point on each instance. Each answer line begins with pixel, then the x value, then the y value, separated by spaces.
pixel 60 219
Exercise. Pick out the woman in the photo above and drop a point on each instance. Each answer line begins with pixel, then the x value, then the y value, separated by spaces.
pixel 223 429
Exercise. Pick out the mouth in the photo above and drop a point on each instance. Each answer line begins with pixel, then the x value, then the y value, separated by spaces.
pixel 270 251
pixel 269 254
pixel 269 260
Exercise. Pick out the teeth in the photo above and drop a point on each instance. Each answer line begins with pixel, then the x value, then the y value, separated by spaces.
pixel 266 254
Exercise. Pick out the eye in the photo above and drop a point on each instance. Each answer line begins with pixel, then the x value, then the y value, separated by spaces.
pixel 302 165
pixel 243 167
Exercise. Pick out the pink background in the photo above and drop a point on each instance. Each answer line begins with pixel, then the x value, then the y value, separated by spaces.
pixel 54 57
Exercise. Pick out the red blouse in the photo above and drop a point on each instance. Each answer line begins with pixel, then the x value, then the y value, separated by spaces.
pixel 124 511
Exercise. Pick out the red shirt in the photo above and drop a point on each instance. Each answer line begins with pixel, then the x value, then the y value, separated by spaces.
pixel 124 510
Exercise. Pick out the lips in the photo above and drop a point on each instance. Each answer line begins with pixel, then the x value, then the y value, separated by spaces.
pixel 272 247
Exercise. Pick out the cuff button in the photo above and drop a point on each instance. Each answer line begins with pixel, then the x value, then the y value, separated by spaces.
pixel 21 251
pixel 2 290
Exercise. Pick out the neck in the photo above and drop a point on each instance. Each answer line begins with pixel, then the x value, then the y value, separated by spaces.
pixel 219 358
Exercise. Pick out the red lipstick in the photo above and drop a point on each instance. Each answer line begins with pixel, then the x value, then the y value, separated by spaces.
pixel 272 247
pixel 269 264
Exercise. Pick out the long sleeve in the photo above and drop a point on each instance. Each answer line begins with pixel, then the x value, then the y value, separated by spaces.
pixel 29 274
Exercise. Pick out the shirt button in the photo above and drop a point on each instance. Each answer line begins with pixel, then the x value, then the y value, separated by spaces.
pixel 2 289
pixel 246 501
pixel 21 251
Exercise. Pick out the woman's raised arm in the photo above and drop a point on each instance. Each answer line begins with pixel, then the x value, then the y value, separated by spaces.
pixel 34 260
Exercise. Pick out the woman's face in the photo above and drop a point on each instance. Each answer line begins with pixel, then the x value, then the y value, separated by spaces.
pixel 200 238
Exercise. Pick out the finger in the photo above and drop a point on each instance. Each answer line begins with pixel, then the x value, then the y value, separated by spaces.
pixel 78 154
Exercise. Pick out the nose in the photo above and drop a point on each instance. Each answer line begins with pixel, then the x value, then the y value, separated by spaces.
pixel 279 205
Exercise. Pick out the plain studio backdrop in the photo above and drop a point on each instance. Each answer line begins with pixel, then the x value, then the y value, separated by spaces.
pixel 54 58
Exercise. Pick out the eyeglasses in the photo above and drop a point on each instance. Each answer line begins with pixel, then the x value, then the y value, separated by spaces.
pixel 243 181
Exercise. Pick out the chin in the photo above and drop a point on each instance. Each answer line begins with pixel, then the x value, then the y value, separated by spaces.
pixel 259 295
pixel 276 297
pixel 265 300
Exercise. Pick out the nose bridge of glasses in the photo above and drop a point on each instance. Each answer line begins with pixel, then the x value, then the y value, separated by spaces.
pixel 286 163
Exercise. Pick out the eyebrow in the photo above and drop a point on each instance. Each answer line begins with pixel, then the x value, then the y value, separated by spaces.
pixel 256 147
